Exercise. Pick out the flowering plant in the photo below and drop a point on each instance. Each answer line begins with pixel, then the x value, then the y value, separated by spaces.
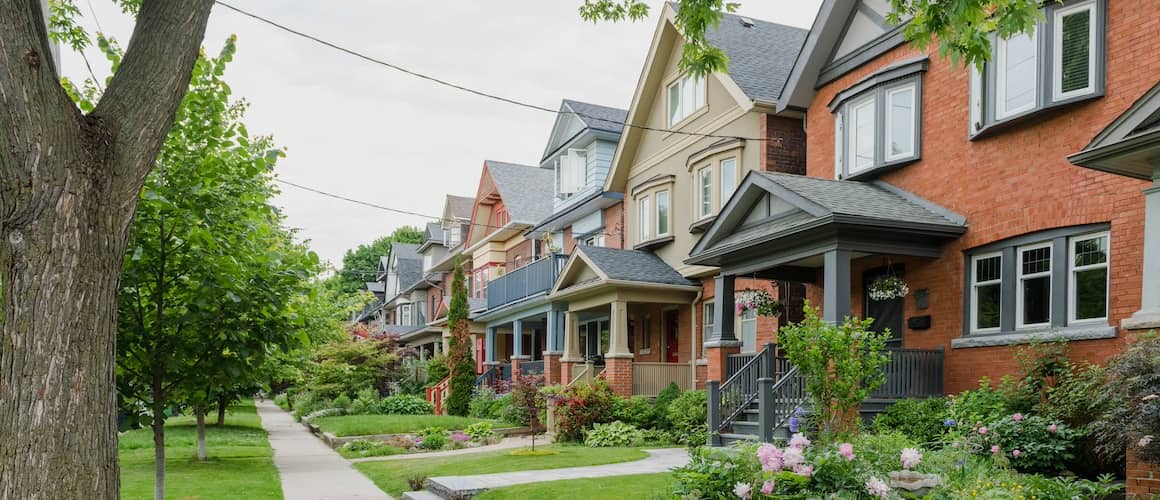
pixel 888 287
pixel 759 301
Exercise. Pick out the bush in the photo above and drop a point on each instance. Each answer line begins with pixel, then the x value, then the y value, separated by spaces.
pixel 581 406
pixel 437 369
pixel 661 406
pixel 980 405
pixel 658 437
pixel 689 416
pixel 923 420
pixel 613 434
pixel 283 401
pixel 712 473
pixel 404 404
pixel 1133 391
pixel 480 432
pixel 307 402
pixel 482 398
pixel 366 402
pixel 635 410
pixel 432 438
pixel 526 401
pixel 342 401
pixel 1031 443
pixel 362 448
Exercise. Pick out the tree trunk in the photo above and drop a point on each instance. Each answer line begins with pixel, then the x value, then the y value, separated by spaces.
pixel 200 411
pixel 68 189
pixel 158 441
pixel 222 403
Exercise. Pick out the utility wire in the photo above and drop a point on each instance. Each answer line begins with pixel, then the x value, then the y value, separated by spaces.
pixel 463 88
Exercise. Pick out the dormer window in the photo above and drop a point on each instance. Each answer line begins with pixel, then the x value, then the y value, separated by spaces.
pixel 686 96
pixel 877 121
pixel 571 173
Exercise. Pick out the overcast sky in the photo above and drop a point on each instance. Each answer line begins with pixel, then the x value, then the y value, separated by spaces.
pixel 367 132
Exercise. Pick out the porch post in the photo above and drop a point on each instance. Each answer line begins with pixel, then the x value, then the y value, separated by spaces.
pixel 555 340
pixel 489 347
pixel 722 341
pixel 1148 316
pixel 836 305
pixel 571 346
pixel 518 355
pixel 618 360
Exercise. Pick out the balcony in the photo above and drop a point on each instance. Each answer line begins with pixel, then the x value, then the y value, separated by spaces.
pixel 532 279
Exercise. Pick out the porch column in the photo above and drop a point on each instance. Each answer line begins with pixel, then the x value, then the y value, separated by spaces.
pixel 555 340
pixel 571 346
pixel 1148 317
pixel 722 341
pixel 518 355
pixel 618 360
pixel 489 347
pixel 836 305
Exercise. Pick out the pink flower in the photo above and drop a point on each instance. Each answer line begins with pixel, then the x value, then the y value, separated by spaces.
pixel 846 450
pixel 792 457
pixel 909 457
pixel 742 490
pixel 1016 453
pixel 799 441
pixel 803 470
pixel 955 444
pixel 1018 417
pixel 767 487
pixel 982 430
pixel 770 458
pixel 1052 428
pixel 877 488
pixel 995 449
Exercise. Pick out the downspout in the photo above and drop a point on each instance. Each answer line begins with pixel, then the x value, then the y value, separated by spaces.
pixel 693 332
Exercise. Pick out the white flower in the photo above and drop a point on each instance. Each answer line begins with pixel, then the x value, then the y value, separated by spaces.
pixel 799 441
pixel 910 457
pixel 877 487
pixel 1145 441
pixel 742 490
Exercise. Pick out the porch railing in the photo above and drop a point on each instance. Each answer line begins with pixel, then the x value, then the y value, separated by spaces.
pixel 530 367
pixel 649 379
pixel 488 378
pixel 912 373
pixel 437 394
pixel 729 399
pixel 534 278
pixel 779 401
pixel 583 372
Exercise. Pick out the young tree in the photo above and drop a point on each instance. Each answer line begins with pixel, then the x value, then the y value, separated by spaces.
pixel 69 183
pixel 459 346
pixel 359 264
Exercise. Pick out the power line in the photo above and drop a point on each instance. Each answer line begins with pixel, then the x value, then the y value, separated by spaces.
pixel 463 88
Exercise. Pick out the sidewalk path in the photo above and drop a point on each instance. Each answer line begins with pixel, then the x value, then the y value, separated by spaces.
pixel 658 461
pixel 310 470
pixel 505 444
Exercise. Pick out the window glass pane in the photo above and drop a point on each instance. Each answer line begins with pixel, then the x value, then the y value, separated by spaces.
pixel 1091 293
pixel 900 123
pixel 698 94
pixel 1016 75
pixel 987 306
pixel 1074 44
pixel 674 102
pixel 862 136
pixel 1091 251
pixel 1036 300
pixel 1037 260
pixel 706 195
pixel 662 212
pixel 988 269
pixel 642 216
pixel 688 97
pixel 728 179
pixel 749 331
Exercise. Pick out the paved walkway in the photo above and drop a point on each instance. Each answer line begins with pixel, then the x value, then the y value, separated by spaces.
pixel 658 461
pixel 505 444
pixel 310 470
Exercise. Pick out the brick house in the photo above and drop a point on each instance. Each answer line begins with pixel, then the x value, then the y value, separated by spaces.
pixel 958 181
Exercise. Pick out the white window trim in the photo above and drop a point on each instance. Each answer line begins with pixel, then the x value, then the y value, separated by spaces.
pixel 975 284
pixel 851 139
pixel 698 95
pixel 889 115
pixel 1071 281
pixel 643 209
pixel 839 154
pixel 703 173
pixel 1057 50
pixel 1001 73
pixel 1020 277
pixel 668 213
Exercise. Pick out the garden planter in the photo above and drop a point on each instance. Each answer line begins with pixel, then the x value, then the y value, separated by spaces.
pixel 914 483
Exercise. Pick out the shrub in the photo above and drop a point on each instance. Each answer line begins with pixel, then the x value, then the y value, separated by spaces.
pixel 480 432
pixel 404 404
pixel 500 407
pixel 923 420
pixel 880 452
pixel 1031 443
pixel 712 473
pixel 283 401
pixel 1133 390
pixel 366 402
pixel 980 405
pixel 658 437
pixel 580 407
pixel 307 402
pixel 1042 363
pixel 481 400
pixel 689 415
pixel 661 406
pixel 432 438
pixel 437 369
pixel 613 434
pixel 362 448
pixel 342 401
pixel 635 410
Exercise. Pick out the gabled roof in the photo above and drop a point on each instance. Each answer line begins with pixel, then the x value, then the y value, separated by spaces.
pixel 1130 145
pixel 458 207
pixel 375 286
pixel 575 118
pixel 772 206
pixel 761 53
pixel 598 117
pixel 433 232
pixel 526 191
pixel 632 265
pixel 401 251
pixel 410 272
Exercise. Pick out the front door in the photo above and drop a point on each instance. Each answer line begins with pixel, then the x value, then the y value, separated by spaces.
pixel 886 313
pixel 671 323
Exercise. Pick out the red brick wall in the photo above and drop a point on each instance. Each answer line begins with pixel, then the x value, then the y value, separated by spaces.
pixel 1017 181
pixel 569 242
pixel 1143 478
pixel 785 151
pixel 637 313
pixel 523 252
pixel 614 229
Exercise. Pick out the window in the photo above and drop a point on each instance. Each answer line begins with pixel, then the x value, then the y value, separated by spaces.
pixel 728 179
pixel 643 218
pixel 749 331
pixel 404 314
pixel 877 124
pixel 571 173
pixel 987 292
pixel 708 308
pixel 1062 60
pixel 1088 295
pixel 454 239
pixel 705 192
pixel 596 240
pixel 662 213
pixel 646 334
pixel 1033 305
pixel 686 96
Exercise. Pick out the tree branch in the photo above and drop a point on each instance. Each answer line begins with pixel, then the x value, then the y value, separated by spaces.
pixel 142 98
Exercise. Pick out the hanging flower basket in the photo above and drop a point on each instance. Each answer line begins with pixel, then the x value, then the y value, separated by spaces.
pixel 758 301
pixel 887 288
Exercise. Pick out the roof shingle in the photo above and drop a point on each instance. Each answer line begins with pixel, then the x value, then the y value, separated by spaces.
pixel 761 53
pixel 633 265
pixel 526 191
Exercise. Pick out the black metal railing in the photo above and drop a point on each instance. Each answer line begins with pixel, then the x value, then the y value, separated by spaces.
pixel 531 367
pixel 537 277
pixel 912 373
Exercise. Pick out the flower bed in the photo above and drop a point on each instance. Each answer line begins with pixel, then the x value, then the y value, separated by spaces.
pixel 426 440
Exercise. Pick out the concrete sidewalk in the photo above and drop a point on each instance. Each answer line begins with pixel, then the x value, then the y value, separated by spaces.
pixel 309 469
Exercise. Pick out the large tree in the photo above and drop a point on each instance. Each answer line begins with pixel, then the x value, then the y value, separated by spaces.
pixel 359 264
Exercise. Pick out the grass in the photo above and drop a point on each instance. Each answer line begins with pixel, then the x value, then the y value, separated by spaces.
pixel 392 476
pixel 643 486
pixel 240 460
pixel 365 425
pixel 377 450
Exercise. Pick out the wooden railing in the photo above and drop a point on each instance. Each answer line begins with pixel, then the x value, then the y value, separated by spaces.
pixel 437 394
pixel 649 379
pixel 912 373
pixel 583 372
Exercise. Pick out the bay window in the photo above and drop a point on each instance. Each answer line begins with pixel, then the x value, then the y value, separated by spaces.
pixel 1034 302
pixel 705 191
pixel 643 209
pixel 662 213
pixel 686 96
pixel 877 121
pixel 728 179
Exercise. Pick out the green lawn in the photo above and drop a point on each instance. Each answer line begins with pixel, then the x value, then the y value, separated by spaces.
pixel 639 486
pixel 365 425
pixel 392 476
pixel 240 460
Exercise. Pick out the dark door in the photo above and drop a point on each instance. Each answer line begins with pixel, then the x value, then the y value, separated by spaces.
pixel 886 313
pixel 793 297
pixel 671 340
